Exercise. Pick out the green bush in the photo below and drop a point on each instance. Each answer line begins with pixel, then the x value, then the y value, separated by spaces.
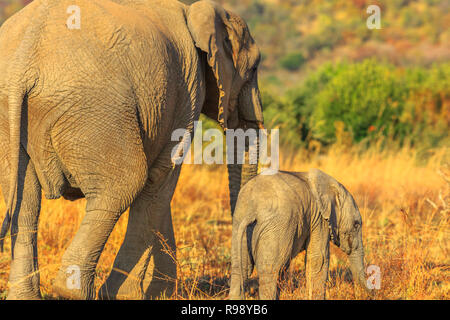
pixel 364 97
pixel 365 101
pixel 291 112
pixel 292 61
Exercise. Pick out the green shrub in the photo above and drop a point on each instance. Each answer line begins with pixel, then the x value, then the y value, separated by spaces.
pixel 366 102
pixel 292 61
pixel 363 96
pixel 291 112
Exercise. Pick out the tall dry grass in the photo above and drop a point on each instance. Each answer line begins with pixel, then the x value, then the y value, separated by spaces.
pixel 405 205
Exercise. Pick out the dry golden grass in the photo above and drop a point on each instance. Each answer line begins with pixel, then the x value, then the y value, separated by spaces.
pixel 405 208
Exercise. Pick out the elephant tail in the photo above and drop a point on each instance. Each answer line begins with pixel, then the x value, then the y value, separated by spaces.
pixel 16 97
pixel 243 256
pixel 22 78
pixel 4 229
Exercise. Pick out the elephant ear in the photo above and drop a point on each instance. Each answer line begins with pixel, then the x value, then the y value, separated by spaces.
pixel 322 192
pixel 207 24
pixel 325 192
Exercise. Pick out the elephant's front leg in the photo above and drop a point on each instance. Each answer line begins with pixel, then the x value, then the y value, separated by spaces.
pixel 149 233
pixel 317 262
pixel 24 273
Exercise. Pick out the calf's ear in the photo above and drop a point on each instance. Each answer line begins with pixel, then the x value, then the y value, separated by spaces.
pixel 325 192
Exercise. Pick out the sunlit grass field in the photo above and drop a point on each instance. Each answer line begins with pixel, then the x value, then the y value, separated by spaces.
pixel 404 202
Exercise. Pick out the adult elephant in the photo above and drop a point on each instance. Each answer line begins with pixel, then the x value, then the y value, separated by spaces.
pixel 88 110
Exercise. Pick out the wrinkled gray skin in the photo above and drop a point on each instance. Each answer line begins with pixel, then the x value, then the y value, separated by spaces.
pixel 284 214
pixel 90 113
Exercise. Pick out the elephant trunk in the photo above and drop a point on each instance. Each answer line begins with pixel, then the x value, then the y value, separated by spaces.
pixel 234 184
pixel 240 174
pixel 356 259
pixel 250 168
pixel 251 118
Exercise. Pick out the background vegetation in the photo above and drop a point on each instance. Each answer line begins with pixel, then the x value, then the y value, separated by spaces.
pixel 365 102
pixel 370 107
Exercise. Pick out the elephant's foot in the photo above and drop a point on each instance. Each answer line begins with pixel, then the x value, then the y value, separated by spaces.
pixel 74 285
pixel 119 286
pixel 160 288
pixel 268 288
pixel 129 287
pixel 235 297
pixel 26 288
pixel 236 292
pixel 125 293
pixel 26 296
pixel 15 294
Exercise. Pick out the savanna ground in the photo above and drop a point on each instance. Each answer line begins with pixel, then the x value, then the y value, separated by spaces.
pixel 404 203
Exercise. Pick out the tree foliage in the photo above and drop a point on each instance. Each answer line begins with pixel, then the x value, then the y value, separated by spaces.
pixel 366 101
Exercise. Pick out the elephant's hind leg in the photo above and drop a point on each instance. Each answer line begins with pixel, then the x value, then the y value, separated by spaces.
pixel 273 251
pixel 125 279
pixel 75 278
pixel 24 272
pixel 105 204
pixel 149 234
pixel 106 156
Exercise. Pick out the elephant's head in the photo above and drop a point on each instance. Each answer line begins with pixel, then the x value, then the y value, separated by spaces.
pixel 231 61
pixel 337 206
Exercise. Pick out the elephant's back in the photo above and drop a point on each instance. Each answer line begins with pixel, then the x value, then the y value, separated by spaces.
pixel 113 28
pixel 137 48
pixel 135 44
pixel 279 192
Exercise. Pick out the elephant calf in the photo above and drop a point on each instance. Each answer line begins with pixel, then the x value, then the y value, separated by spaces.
pixel 277 216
